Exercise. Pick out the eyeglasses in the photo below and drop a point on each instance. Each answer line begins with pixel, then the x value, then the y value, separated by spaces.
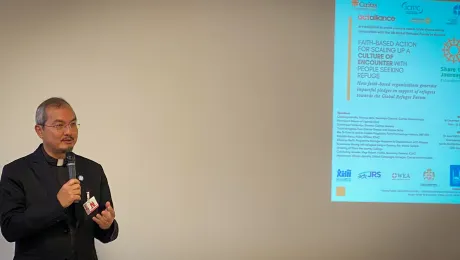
pixel 62 127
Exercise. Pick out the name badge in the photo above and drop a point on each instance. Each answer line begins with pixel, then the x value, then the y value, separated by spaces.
pixel 91 205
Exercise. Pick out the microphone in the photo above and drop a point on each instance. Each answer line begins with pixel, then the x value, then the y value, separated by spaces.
pixel 70 156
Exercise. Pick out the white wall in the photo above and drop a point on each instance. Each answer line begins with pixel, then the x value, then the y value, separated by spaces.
pixel 215 117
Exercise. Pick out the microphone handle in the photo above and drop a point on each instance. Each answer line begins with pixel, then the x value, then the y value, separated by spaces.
pixel 72 173
pixel 72 170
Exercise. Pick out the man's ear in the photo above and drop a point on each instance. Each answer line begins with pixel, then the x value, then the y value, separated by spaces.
pixel 39 131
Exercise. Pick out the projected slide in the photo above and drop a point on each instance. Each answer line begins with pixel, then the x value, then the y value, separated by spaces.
pixel 396 114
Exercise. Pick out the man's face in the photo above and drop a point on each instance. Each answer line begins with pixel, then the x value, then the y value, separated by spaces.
pixel 60 131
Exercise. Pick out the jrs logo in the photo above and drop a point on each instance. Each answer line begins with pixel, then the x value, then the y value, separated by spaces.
pixel 370 175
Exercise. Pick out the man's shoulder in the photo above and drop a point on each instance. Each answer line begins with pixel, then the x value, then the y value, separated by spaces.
pixel 17 165
pixel 20 162
pixel 87 162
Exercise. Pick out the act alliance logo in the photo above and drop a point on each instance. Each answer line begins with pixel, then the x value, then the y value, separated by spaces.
pixel 379 18
pixel 364 4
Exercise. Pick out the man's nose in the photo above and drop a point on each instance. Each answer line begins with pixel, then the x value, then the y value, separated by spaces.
pixel 67 130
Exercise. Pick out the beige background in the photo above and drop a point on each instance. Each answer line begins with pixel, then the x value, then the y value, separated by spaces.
pixel 213 123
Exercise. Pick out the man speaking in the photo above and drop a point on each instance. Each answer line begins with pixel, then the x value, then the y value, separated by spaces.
pixel 53 203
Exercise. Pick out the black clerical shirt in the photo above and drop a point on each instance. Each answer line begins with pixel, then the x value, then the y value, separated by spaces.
pixel 60 173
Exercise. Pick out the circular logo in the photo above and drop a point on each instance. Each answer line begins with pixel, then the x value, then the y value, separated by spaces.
pixel 457 10
pixel 428 175
pixel 451 50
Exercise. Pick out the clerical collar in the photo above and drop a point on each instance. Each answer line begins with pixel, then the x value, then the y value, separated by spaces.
pixel 51 160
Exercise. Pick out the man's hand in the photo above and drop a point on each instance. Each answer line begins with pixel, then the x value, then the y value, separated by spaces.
pixel 105 219
pixel 69 192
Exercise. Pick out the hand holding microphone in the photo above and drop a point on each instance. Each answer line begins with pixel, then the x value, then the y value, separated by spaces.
pixel 69 193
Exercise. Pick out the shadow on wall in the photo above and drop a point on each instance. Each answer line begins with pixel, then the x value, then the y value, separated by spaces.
pixel 6 248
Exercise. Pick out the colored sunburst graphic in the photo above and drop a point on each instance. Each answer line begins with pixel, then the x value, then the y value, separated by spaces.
pixel 354 3
pixel 452 50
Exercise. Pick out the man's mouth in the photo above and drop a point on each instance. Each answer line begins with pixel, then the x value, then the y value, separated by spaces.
pixel 67 140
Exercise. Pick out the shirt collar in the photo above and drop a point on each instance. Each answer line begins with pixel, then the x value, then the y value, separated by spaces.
pixel 51 160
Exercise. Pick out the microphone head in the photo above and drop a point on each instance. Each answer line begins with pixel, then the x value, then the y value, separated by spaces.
pixel 70 156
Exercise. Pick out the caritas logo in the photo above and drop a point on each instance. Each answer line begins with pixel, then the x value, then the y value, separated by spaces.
pixel 377 18
pixel 363 5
